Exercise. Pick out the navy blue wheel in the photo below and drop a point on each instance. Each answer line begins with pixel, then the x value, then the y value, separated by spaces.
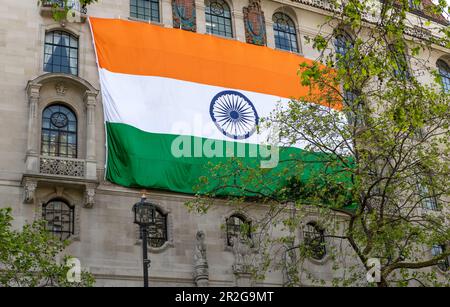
pixel 234 114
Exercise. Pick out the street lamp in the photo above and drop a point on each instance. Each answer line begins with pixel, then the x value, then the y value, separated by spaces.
pixel 144 216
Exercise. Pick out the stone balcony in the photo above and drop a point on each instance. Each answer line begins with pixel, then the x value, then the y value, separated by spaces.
pixel 62 166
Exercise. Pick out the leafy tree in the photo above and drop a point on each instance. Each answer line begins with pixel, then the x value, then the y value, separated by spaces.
pixel 28 257
pixel 62 8
pixel 378 182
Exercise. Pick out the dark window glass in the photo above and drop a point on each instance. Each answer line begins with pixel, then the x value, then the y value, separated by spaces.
pixel 401 70
pixel 285 32
pixel 342 44
pixel 237 226
pixel 60 218
pixel 157 233
pixel 145 9
pixel 443 264
pixel 428 201
pixel 444 71
pixel 315 240
pixel 218 18
pixel 59 132
pixel 61 53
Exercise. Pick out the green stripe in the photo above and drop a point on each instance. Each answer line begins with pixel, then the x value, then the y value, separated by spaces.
pixel 140 159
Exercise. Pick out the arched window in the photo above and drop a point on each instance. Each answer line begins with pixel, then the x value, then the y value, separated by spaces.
pixel 443 264
pixel 218 18
pixel 157 233
pixel 342 44
pixel 60 218
pixel 59 132
pixel 237 226
pixel 285 32
pixel 61 52
pixel 444 71
pixel 145 9
pixel 315 240
pixel 397 53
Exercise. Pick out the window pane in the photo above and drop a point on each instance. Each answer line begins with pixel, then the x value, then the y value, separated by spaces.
pixel 57 52
pixel 55 138
pixel 218 17
pixel 285 32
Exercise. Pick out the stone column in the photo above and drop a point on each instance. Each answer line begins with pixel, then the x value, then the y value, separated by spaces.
pixel 200 12
pixel 91 157
pixel 269 32
pixel 32 158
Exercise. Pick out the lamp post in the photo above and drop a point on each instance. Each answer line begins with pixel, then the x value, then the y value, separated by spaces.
pixel 144 216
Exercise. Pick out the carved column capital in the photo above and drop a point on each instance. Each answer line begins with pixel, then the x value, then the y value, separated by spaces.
pixel 90 98
pixel 33 91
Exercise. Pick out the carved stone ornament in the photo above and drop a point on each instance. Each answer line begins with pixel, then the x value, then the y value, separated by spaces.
pixel 255 24
pixel 184 17
pixel 242 252
pixel 201 271
pixel 89 197
pixel 29 191
pixel 61 89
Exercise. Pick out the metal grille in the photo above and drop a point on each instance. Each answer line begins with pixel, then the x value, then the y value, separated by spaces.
pixel 315 240
pixel 285 32
pixel 61 53
pixel 60 218
pixel 237 225
pixel 59 132
pixel 443 264
pixel 444 71
pixel 218 18
pixel 145 9
pixel 157 233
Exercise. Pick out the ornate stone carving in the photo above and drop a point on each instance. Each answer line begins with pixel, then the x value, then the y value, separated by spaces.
pixel 255 25
pixel 242 252
pixel 60 88
pixel 184 17
pixel 201 272
pixel 29 191
pixel 89 196
pixel 62 166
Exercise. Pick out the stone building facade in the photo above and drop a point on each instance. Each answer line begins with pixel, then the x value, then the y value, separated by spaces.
pixel 35 181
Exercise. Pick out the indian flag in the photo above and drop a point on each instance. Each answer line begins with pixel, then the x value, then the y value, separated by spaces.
pixel 178 104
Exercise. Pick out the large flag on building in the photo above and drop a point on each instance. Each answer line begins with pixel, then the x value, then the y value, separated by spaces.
pixel 176 103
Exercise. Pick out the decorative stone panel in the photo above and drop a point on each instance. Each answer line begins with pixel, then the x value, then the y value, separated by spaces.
pixel 255 25
pixel 184 16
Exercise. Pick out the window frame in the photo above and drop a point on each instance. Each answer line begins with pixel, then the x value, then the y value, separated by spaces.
pixel 69 48
pixel 58 131
pixel 234 230
pixel 277 29
pixel 158 242
pixel 443 66
pixel 228 30
pixel 147 15
pixel 444 264
pixel 71 211
pixel 312 228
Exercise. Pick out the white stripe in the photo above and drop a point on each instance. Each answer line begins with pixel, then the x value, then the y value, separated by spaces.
pixel 170 106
